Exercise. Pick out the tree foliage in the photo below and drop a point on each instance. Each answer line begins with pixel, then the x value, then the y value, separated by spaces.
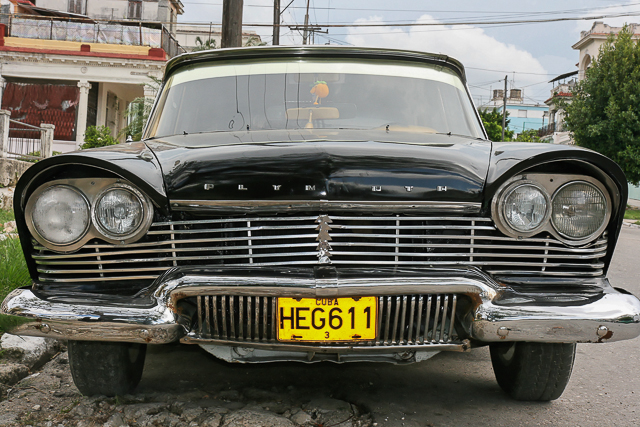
pixel 492 121
pixel 98 136
pixel 604 114
pixel 204 45
pixel 529 135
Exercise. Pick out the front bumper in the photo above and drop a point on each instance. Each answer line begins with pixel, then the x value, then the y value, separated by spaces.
pixel 591 311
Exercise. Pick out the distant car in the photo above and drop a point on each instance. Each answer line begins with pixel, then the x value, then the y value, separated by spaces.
pixel 322 204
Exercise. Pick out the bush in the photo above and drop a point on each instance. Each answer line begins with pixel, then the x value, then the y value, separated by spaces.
pixel 98 136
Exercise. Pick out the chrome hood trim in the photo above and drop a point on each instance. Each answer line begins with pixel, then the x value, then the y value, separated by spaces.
pixel 255 206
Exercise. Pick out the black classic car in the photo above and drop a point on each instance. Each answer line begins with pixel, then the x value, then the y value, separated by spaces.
pixel 322 204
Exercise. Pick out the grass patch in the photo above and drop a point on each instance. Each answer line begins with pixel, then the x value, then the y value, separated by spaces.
pixel 6 216
pixel 632 214
pixel 13 267
pixel 13 274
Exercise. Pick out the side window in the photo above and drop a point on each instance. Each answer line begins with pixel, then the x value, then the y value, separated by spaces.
pixel 135 9
pixel 77 6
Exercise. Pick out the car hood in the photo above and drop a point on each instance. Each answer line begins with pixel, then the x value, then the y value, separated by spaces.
pixel 323 165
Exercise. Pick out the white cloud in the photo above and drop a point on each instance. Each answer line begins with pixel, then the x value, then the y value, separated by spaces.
pixel 471 45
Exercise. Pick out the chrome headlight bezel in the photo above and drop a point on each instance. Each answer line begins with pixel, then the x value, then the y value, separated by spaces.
pixel 502 205
pixel 138 232
pixel 607 202
pixel 91 189
pixel 550 183
pixel 30 207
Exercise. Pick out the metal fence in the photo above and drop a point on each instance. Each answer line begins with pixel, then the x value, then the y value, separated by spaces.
pixel 25 141
pixel 95 32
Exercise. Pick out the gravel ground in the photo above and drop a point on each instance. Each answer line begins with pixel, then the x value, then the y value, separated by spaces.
pixel 49 398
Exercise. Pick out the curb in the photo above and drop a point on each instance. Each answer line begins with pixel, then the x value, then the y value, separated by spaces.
pixel 630 225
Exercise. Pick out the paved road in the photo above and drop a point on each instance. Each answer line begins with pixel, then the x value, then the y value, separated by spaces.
pixel 448 390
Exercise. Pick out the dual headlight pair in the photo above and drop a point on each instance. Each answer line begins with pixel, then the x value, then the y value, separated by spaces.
pixel 574 208
pixel 64 215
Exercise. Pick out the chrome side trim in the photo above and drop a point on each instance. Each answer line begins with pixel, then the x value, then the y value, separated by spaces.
pixel 254 206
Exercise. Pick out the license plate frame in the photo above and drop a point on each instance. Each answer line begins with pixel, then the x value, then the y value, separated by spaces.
pixel 326 320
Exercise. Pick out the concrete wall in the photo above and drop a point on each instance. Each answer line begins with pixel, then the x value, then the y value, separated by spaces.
pixel 11 170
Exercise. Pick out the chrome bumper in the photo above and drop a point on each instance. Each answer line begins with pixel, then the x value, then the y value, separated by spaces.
pixel 499 313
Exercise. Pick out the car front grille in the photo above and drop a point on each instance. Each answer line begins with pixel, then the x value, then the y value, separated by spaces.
pixel 402 319
pixel 339 240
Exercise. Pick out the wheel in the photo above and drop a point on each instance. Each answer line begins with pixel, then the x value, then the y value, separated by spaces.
pixel 532 371
pixel 107 368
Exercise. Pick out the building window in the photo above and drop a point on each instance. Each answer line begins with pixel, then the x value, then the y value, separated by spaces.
pixel 135 9
pixel 522 113
pixel 77 6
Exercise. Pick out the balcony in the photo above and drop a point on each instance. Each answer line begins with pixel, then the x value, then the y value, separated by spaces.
pixel 138 37
pixel 551 128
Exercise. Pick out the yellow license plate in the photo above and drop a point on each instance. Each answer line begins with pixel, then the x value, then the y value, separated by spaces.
pixel 327 319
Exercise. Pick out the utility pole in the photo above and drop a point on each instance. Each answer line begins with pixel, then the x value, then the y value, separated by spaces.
pixel 276 23
pixel 305 34
pixel 231 23
pixel 504 107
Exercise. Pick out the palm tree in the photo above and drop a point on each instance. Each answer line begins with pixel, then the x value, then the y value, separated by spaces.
pixel 207 45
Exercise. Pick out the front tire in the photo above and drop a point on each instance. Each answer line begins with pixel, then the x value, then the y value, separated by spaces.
pixel 106 368
pixel 532 371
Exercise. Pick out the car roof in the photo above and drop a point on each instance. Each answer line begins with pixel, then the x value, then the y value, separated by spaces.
pixel 313 51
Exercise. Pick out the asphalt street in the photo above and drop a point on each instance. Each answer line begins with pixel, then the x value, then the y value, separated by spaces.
pixel 451 389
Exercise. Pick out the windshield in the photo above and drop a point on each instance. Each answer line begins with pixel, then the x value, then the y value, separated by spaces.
pixel 313 94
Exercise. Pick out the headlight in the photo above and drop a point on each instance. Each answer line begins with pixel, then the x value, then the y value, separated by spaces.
pixel 119 212
pixel 525 207
pixel 60 215
pixel 579 210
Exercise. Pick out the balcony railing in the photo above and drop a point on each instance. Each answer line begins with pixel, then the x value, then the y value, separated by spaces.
pixel 551 128
pixel 94 32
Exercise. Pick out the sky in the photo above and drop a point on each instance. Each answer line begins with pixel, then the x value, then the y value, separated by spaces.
pixel 530 54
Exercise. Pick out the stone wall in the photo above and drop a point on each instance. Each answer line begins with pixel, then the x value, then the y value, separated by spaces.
pixel 11 170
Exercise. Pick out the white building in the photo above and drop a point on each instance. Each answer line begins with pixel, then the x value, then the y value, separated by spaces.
pixel 76 71
pixel 162 11
pixel 187 35
pixel 590 42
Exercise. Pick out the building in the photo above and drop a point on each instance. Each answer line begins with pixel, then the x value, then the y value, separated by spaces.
pixel 159 11
pixel 187 35
pixel 522 115
pixel 556 132
pixel 73 69
pixel 590 42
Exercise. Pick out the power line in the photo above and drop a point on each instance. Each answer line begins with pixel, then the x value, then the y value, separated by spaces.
pixel 439 24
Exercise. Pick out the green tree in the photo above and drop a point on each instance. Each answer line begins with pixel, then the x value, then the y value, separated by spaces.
pixel 204 45
pixel 98 136
pixel 529 135
pixel 604 114
pixel 492 121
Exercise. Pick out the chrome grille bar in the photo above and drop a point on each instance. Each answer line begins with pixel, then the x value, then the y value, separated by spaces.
pixel 400 319
pixel 401 240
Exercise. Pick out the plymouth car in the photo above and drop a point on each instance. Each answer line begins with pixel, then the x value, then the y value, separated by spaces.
pixel 320 203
